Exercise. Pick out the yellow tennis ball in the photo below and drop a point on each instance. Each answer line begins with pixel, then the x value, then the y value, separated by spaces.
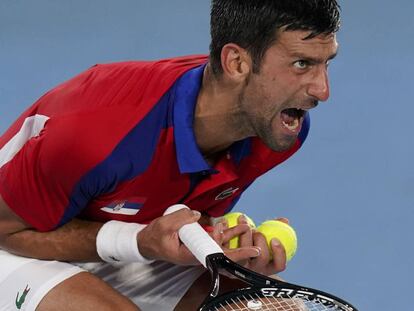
pixel 283 232
pixel 232 221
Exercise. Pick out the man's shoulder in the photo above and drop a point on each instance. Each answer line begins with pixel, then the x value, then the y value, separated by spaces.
pixel 175 64
pixel 137 84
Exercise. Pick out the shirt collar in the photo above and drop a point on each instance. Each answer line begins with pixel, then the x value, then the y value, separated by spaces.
pixel 190 159
pixel 189 156
pixel 240 149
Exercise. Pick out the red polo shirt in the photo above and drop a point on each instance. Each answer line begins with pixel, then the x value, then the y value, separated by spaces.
pixel 116 142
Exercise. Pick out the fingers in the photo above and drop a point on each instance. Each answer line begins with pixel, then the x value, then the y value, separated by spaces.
pixel 159 240
pixel 253 250
pixel 217 233
pixel 177 219
pixel 263 263
pixel 246 238
pixel 242 231
pixel 279 255
pixel 222 235
pixel 243 253
pixel 238 230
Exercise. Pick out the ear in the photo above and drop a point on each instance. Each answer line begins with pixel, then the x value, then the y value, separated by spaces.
pixel 236 62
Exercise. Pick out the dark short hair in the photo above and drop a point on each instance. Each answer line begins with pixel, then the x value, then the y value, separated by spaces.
pixel 253 24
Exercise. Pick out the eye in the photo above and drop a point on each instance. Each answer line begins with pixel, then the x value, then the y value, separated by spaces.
pixel 301 64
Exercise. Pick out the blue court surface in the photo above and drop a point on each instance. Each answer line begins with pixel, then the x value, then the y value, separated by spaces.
pixel 349 192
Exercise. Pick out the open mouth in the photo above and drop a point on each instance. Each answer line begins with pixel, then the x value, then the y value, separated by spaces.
pixel 292 119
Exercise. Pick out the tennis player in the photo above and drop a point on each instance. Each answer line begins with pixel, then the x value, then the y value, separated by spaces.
pixel 87 171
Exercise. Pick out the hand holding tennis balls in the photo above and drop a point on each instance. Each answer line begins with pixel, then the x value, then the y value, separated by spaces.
pixel 283 232
pixel 270 229
pixel 232 221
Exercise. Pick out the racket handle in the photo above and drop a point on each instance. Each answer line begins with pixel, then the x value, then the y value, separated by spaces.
pixel 195 238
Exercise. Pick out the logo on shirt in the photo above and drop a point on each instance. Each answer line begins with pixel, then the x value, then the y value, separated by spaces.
pixel 20 301
pixel 227 193
pixel 128 207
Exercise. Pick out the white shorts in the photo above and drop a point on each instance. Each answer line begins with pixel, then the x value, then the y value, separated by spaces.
pixel 155 287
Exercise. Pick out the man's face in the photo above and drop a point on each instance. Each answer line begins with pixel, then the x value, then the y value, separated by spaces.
pixel 293 77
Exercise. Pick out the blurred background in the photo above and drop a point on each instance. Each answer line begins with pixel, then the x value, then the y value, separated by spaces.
pixel 348 192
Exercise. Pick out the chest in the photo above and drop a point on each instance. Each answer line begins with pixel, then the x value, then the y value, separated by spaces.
pixel 145 197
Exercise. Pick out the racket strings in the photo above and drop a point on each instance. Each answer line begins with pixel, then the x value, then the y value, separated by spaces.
pixel 259 303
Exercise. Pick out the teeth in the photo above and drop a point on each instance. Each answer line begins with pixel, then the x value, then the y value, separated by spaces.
pixel 292 126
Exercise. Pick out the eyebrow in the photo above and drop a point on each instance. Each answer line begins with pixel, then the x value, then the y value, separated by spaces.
pixel 315 60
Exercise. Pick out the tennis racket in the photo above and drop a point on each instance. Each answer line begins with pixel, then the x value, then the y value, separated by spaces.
pixel 261 292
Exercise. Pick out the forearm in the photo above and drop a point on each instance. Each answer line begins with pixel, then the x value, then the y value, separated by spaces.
pixel 75 241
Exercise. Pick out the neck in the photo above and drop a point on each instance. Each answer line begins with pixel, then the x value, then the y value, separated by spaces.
pixel 218 121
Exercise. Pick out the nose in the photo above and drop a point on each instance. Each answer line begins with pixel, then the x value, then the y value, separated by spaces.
pixel 319 85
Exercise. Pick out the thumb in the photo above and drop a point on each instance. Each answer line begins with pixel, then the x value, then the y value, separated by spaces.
pixel 182 217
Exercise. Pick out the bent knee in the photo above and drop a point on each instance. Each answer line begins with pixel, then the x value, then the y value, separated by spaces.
pixel 85 292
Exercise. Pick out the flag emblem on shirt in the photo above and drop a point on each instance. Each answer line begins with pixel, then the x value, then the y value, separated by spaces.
pixel 227 193
pixel 127 207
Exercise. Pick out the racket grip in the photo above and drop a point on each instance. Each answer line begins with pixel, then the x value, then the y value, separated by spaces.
pixel 195 238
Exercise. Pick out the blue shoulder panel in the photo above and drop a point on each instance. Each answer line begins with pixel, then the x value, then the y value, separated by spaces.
pixel 131 157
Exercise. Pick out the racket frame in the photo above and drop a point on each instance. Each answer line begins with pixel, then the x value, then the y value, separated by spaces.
pixel 261 285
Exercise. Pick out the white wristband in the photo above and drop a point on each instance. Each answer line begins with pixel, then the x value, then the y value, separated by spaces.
pixel 117 242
